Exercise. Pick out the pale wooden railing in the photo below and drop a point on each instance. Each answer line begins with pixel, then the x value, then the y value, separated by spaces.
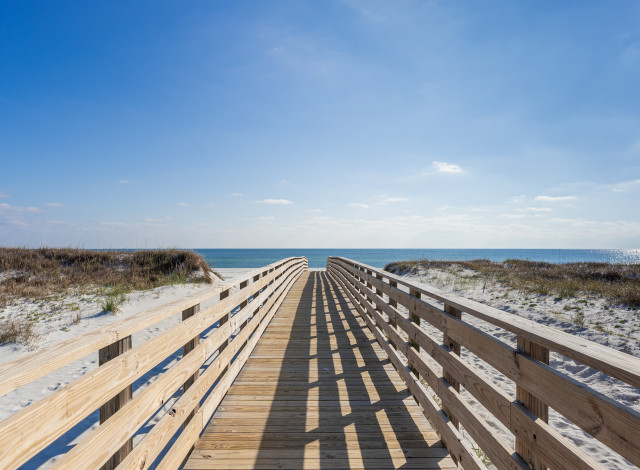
pixel 376 295
pixel 241 311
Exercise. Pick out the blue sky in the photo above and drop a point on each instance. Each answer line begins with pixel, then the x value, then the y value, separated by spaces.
pixel 322 124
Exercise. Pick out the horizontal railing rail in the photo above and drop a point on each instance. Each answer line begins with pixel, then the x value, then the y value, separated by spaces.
pixel 233 323
pixel 434 371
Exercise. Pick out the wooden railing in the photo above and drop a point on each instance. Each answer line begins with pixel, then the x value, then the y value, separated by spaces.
pixel 234 323
pixel 376 294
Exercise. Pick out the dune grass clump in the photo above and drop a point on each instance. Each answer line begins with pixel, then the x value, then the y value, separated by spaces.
pixel 17 330
pixel 620 283
pixel 45 272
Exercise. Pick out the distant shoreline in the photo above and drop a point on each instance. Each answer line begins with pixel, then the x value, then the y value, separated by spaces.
pixel 378 258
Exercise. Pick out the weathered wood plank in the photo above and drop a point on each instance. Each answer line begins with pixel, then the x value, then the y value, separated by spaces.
pixel 305 388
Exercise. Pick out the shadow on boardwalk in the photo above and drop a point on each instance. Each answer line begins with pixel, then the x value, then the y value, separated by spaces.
pixel 318 393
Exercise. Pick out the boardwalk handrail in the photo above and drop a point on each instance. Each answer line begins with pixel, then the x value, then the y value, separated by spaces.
pixel 242 310
pixel 376 295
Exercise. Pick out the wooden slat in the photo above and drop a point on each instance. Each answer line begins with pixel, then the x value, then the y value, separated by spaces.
pixel 24 433
pixel 25 369
pixel 185 441
pixel 338 397
pixel 152 444
pixel 451 436
pixel 608 421
pixel 614 363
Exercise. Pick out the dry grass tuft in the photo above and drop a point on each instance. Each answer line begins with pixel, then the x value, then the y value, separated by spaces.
pixel 17 330
pixel 40 273
pixel 620 283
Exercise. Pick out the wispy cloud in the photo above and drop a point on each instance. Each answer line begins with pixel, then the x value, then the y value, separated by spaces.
pixel 360 205
pixel 536 209
pixel 625 186
pixel 395 199
pixel 266 218
pixel 555 198
pixel 182 204
pixel 512 216
pixel 236 194
pixel 3 194
pixel 113 224
pixel 275 201
pixel 9 208
pixel 54 204
pixel 444 167
pixel 317 211
pixel 123 181
pixel 518 199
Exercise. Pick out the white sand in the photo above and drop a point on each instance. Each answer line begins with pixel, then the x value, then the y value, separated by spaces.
pixel 57 323
pixel 620 329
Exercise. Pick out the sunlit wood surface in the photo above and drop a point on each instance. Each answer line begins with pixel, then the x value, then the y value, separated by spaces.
pixel 318 393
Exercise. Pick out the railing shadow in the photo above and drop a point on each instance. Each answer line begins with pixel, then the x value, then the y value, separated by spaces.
pixel 338 405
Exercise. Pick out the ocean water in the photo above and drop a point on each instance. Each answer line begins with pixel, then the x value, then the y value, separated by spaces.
pixel 253 258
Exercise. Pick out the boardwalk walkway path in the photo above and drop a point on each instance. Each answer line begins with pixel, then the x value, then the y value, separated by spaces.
pixel 318 393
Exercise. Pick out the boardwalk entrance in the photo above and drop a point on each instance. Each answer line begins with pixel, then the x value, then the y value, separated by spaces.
pixel 318 392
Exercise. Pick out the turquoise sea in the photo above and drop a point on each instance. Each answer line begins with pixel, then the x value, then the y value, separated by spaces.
pixel 252 258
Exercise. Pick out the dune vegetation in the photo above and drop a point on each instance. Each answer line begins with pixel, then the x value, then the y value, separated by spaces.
pixel 619 283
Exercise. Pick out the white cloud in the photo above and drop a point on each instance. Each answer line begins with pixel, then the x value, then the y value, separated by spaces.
pixel 317 211
pixel 2 194
pixel 395 199
pixel 536 209
pixel 123 181
pixel 512 216
pixel 518 199
pixel 266 218
pixel 360 205
pixel 236 194
pixel 444 167
pixel 10 208
pixel 625 186
pixel 555 198
pixel 183 204
pixel 54 204
pixel 113 224
pixel 275 201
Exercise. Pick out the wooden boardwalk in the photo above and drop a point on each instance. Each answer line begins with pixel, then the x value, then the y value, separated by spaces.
pixel 318 392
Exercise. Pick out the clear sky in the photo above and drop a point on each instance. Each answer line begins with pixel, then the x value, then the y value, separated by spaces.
pixel 269 124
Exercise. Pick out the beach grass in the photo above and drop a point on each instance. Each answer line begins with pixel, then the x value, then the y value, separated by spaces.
pixel 45 273
pixel 619 283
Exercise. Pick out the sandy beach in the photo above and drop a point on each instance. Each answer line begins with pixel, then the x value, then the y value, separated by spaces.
pixel 617 327
pixel 63 325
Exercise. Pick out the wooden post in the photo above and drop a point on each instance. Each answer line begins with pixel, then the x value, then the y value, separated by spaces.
pixel 415 319
pixel 455 347
pixel 223 295
pixel 536 406
pixel 256 278
pixel 186 349
pixel 379 293
pixel 244 303
pixel 394 304
pixel 112 406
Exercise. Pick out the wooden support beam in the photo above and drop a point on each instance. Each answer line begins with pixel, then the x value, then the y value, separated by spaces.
pixel 533 404
pixel 186 349
pixel 455 348
pixel 112 406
